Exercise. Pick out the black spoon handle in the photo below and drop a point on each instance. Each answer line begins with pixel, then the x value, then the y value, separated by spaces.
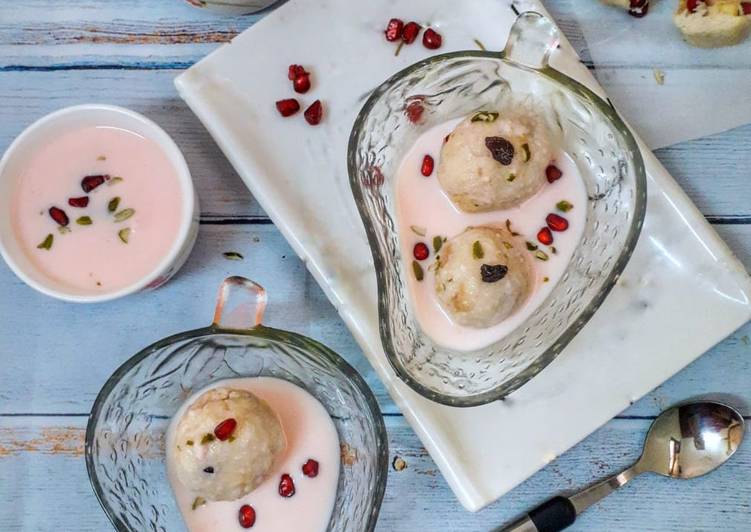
pixel 551 516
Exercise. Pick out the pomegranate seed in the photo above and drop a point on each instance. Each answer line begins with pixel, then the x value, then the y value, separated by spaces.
pixel 545 236
pixel 427 165
pixel 410 32
pixel 638 8
pixel 431 39
pixel 81 202
pixel 296 71
pixel 556 222
pixel 59 216
pixel 225 429
pixel 314 113
pixel 421 251
pixel 414 111
pixel 310 468
pixel 394 29
pixel 246 516
pixel 286 486
pixel 90 182
pixel 301 83
pixel 691 5
pixel 287 107
pixel 553 173
pixel 746 7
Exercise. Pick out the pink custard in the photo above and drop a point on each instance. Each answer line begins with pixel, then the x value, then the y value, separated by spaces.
pixel 129 225
pixel 310 433
pixel 421 203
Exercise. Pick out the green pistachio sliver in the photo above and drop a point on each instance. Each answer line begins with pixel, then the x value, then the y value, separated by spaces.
pixel 437 243
pixel 541 255
pixel 232 255
pixel 47 242
pixel 197 502
pixel 553 250
pixel 531 246
pixel 484 116
pixel 564 206
pixel 207 438
pixel 189 443
pixel 418 230
pixel 545 279
pixel 64 230
pixel 477 251
pixel 113 203
pixel 124 214
pixel 84 220
pixel 508 227
pixel 417 269
pixel 511 177
pixel 508 245
pixel 124 235
pixel 114 181
pixel 526 155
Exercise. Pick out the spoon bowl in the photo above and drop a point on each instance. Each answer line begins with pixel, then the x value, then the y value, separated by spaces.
pixel 692 439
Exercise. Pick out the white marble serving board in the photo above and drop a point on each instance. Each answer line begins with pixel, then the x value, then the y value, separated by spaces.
pixel 682 292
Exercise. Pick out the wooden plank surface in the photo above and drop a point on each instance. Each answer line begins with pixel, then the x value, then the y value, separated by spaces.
pixel 56 356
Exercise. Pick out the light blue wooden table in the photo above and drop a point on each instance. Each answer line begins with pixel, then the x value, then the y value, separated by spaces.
pixel 55 356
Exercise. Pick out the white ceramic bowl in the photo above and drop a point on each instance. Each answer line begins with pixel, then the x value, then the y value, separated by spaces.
pixel 51 126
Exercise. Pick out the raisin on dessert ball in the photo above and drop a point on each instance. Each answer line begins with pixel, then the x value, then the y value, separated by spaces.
pixel 227 442
pixel 482 276
pixel 494 161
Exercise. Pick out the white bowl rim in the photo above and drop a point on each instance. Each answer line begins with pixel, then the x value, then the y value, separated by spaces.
pixel 189 201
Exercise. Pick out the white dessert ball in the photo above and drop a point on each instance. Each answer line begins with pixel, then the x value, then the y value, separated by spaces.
pixel 494 160
pixel 482 276
pixel 231 463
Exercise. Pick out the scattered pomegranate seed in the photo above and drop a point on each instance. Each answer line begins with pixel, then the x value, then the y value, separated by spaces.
pixel 691 5
pixel 556 222
pixel 287 107
pixel 427 165
pixel 414 111
pixel 310 468
pixel 81 202
pixel 225 429
pixel 638 8
pixel 301 83
pixel 431 39
pixel 410 32
pixel 746 7
pixel 421 251
pixel 314 113
pixel 90 182
pixel 286 486
pixel 545 236
pixel 553 173
pixel 59 216
pixel 394 29
pixel 295 71
pixel 246 516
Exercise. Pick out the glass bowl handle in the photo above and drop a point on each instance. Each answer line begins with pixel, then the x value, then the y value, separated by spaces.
pixel 240 304
pixel 531 40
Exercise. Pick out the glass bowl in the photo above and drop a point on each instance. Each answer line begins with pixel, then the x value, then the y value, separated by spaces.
pixel 455 85
pixel 125 436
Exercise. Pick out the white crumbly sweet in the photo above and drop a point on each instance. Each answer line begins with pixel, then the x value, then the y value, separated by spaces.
pixel 471 298
pixel 712 23
pixel 471 173
pixel 226 470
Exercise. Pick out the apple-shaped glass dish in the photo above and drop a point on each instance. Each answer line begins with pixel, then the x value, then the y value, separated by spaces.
pixel 606 154
pixel 125 436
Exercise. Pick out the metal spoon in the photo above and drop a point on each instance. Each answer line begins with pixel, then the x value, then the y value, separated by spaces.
pixel 685 441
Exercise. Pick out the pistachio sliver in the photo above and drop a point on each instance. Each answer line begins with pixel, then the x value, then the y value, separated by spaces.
pixel 541 255
pixel 418 230
pixel 526 155
pixel 114 181
pixel 84 220
pixel 484 116
pixel 477 251
pixel 124 214
pixel 564 206
pixel 113 203
pixel 511 177
pixel 232 255
pixel 417 270
pixel 437 243
pixel 47 242
pixel 198 501
pixel 124 235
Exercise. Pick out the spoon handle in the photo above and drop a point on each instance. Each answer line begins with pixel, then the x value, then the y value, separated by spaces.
pixel 560 512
